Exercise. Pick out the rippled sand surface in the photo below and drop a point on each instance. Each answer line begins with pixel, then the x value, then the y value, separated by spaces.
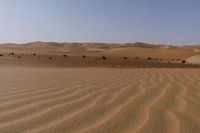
pixel 99 100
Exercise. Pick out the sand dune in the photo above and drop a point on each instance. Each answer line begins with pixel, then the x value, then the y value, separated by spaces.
pixel 131 55
pixel 194 59
pixel 48 87
pixel 99 100
pixel 95 49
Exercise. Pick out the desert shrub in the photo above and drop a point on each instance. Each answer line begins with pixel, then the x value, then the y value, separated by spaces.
pixel 64 55
pixel 149 58
pixel 19 57
pixel 12 53
pixel 84 56
pixel 34 54
pixel 1 55
pixel 183 61
pixel 103 57
pixel 50 58
pixel 136 57
pixel 125 58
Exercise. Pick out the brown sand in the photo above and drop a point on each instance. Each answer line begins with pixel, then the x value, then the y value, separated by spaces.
pixel 99 100
pixel 51 55
pixel 52 93
pixel 194 59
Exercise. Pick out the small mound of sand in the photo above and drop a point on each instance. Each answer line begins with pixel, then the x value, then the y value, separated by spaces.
pixel 196 50
pixel 166 47
pixel 194 59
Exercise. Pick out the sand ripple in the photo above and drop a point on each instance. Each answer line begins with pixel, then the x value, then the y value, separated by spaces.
pixel 98 100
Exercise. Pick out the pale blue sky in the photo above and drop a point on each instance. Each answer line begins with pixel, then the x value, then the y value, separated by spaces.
pixel 152 21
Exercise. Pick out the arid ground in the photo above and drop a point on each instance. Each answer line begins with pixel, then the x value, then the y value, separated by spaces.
pixel 131 55
pixel 99 88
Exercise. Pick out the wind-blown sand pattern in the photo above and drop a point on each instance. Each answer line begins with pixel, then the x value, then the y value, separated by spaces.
pixel 99 100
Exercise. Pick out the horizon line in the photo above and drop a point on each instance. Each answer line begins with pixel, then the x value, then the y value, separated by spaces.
pixel 98 42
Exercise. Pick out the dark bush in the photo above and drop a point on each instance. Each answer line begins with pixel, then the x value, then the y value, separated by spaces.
pixel 19 57
pixel 103 57
pixel 34 54
pixel 149 58
pixel 136 57
pixel 1 55
pixel 84 56
pixel 64 55
pixel 183 61
pixel 125 58
pixel 50 58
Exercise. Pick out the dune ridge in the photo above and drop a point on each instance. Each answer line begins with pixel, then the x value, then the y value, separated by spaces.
pixel 99 100
pixel 104 55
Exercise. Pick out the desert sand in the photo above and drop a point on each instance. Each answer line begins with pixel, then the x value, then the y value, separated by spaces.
pixel 101 100
pixel 130 55
pixel 76 94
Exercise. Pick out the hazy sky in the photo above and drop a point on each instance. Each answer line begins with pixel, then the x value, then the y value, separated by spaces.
pixel 153 21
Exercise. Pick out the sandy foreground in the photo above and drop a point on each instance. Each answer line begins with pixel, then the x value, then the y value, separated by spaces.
pixel 99 100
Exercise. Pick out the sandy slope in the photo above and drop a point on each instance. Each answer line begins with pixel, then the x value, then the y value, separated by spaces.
pixel 194 59
pixel 98 100
pixel 95 49
pixel 134 55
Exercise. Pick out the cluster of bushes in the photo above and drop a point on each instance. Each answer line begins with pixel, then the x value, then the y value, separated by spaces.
pixel 11 53
pixel 102 57
pixel 159 59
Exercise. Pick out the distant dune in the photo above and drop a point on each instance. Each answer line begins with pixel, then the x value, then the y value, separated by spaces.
pixel 117 55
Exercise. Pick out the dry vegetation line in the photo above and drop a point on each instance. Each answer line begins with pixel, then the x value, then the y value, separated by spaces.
pixel 99 100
